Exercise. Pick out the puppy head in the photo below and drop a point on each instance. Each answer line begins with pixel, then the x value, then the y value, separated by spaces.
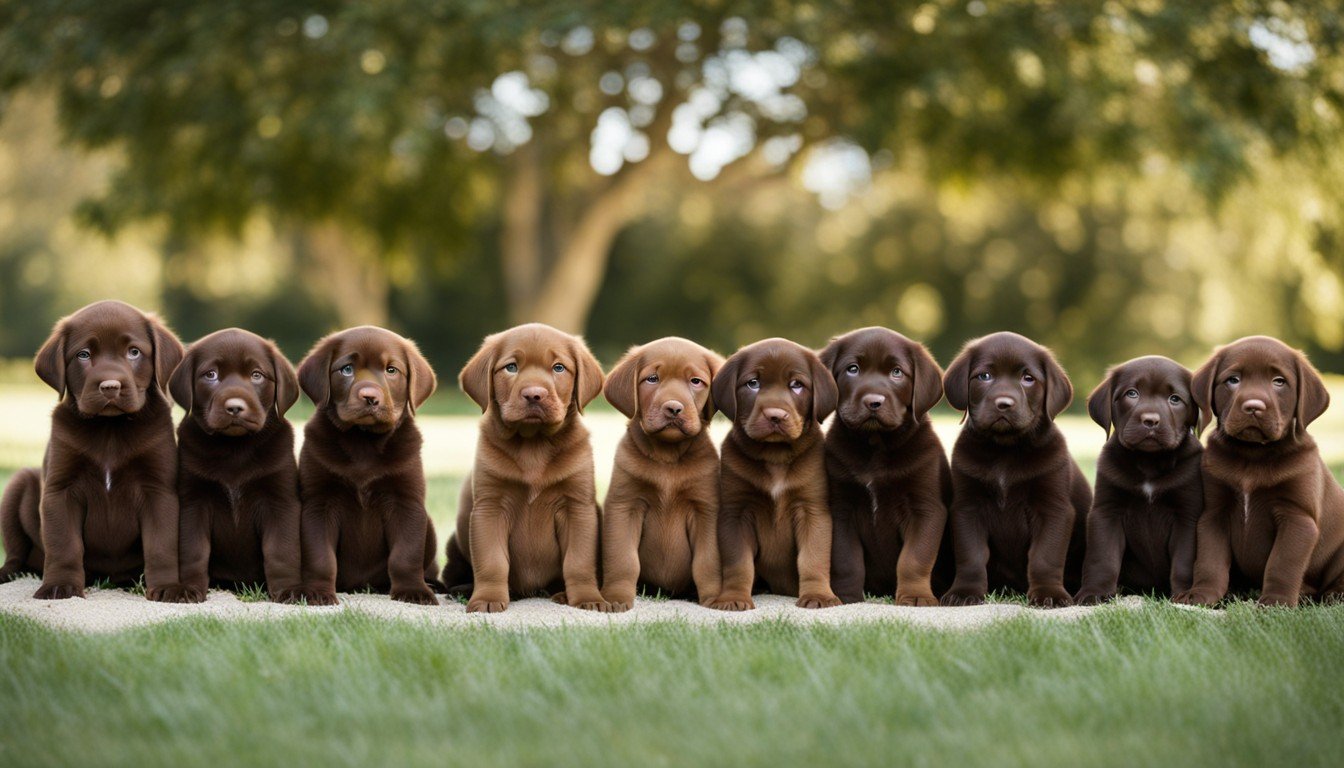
pixel 232 381
pixel 108 357
pixel 1260 390
pixel 368 377
pixel 532 377
pixel 774 389
pixel 1148 402
pixel 885 380
pixel 665 385
pixel 1007 384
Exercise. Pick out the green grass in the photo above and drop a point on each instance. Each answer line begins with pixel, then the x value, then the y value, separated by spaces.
pixel 1155 685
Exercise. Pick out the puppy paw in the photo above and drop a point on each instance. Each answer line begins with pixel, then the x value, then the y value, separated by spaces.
pixel 316 596
pixel 8 574
pixel 620 606
pixel 817 601
pixel 423 596
pixel 1196 597
pixel 961 597
pixel 1090 597
pixel 560 597
pixel 58 591
pixel 1049 597
pixel 478 605
pixel 729 604
pixel 287 595
pixel 176 593
pixel 926 600
pixel 1277 600
pixel 601 606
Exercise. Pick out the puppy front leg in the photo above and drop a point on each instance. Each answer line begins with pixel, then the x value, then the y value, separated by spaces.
pixel 737 552
pixel 814 557
pixel 159 533
pixel 1213 548
pixel 914 566
pixel 1052 529
pixel 706 567
pixel 1182 550
pixel 621 524
pixel 319 533
pixel 1105 553
pixel 406 529
pixel 488 544
pixel 194 541
pixel 848 570
pixel 1295 538
pixel 580 557
pixel 282 550
pixel 970 543
pixel 63 539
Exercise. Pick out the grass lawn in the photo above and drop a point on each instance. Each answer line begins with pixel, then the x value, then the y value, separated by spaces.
pixel 1155 685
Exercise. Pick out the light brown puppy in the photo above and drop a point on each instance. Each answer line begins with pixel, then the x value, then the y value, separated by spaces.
pixel 1271 508
pixel 774 522
pixel 527 519
pixel 659 524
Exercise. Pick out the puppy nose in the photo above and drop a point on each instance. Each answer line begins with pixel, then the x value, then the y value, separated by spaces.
pixel 235 406
pixel 1253 407
pixel 109 387
pixel 873 402
pixel 534 394
pixel 371 395
pixel 1150 420
pixel 672 408
pixel 775 415
pixel 1004 403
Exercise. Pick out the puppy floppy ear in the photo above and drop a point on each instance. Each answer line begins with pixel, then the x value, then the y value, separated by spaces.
pixel 1058 388
pixel 825 393
pixel 1312 396
pixel 831 353
pixel 622 388
pixel 420 381
pixel 714 361
pixel 314 373
pixel 1202 384
pixel 927 381
pixel 50 360
pixel 182 384
pixel 588 377
pixel 1100 403
pixel 723 387
pixel 957 379
pixel 286 381
pixel 168 351
pixel 477 377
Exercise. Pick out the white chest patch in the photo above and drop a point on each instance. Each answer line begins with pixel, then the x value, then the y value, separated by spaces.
pixel 872 499
pixel 777 482
pixel 1148 491
pixel 107 478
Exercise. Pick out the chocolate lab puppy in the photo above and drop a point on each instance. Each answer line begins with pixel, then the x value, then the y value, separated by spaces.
pixel 1019 500
pixel 1271 508
pixel 238 483
pixel 774 524
pixel 889 479
pixel 527 520
pixel 660 522
pixel 105 503
pixel 364 523
pixel 1141 530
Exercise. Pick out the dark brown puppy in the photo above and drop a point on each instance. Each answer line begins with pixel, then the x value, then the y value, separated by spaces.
pixel 1271 508
pixel 528 512
pixel 107 490
pixel 364 524
pixel 660 520
pixel 1019 500
pixel 774 522
pixel 237 482
pixel 888 476
pixel 1149 495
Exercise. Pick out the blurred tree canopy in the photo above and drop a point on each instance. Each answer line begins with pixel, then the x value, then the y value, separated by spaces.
pixel 713 169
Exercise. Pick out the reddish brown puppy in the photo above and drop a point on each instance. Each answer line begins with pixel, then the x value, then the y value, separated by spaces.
pixel 238 483
pixel 1271 508
pixel 774 524
pixel 660 521
pixel 364 524
pixel 528 511
pixel 888 476
pixel 1019 500
pixel 1141 530
pixel 105 503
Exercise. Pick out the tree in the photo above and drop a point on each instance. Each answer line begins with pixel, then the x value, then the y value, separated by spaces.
pixel 403 123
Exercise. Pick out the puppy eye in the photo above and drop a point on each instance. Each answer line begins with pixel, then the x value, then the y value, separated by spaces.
pixel 1131 393
pixel 347 370
pixel 852 369
pixel 796 385
pixel 133 353
pixel 1279 381
pixel 511 367
pixel 1175 399
pixel 1027 378
pixel 257 376
pixel 211 375
pixel 753 384
pixel 696 381
pixel 652 378
pixel 83 354
pixel 391 370
pixel 558 367
pixel 1233 380
pixel 986 376
pixel 897 373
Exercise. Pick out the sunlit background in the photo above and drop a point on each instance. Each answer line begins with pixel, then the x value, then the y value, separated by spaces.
pixel 1111 178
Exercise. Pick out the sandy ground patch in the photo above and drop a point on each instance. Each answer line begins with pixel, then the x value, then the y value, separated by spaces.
pixel 112 610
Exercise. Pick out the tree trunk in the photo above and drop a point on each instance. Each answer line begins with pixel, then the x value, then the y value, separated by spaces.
pixel 520 242
pixel 347 273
